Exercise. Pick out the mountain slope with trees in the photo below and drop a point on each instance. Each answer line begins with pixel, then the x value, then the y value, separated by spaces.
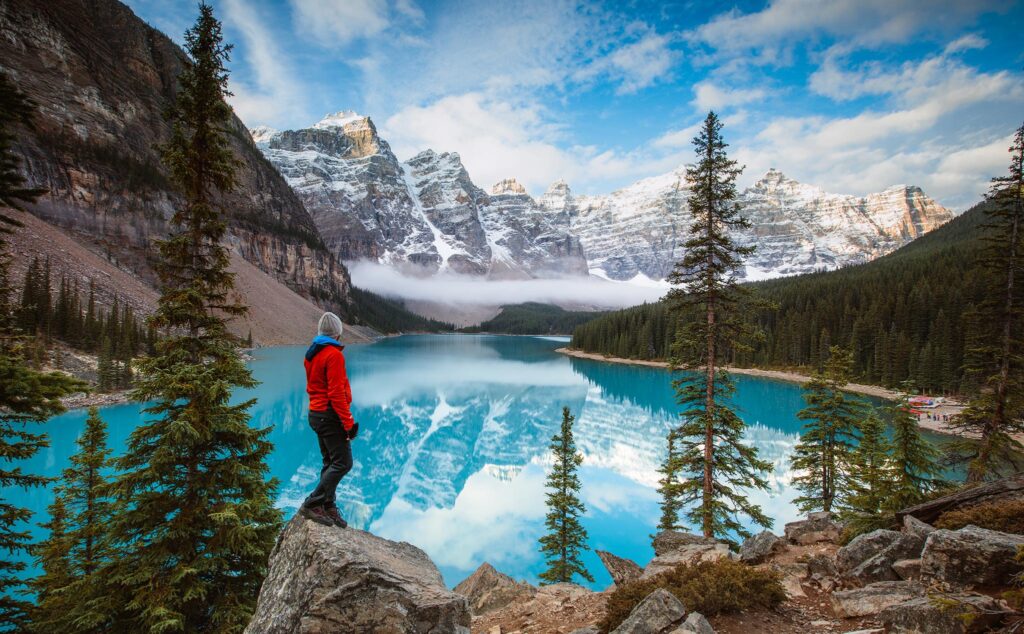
pixel 906 316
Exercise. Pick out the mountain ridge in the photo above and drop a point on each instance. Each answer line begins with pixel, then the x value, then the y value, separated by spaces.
pixel 633 231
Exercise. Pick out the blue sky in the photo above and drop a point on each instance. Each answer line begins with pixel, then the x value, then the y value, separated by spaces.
pixel 850 95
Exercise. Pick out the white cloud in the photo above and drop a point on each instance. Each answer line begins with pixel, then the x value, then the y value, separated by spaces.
pixel 709 96
pixel 640 64
pixel 276 97
pixel 966 43
pixel 500 139
pixel 773 31
pixel 335 23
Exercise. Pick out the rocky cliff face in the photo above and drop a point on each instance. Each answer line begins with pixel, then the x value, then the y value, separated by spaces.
pixel 425 213
pixel 101 79
pixel 795 228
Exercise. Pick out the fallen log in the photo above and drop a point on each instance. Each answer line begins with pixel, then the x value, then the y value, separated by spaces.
pixel 1005 490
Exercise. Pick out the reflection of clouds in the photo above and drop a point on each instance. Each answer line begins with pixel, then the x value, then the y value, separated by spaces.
pixel 491 520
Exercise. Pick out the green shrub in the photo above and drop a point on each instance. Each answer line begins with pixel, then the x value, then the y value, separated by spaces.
pixel 708 587
pixel 1007 517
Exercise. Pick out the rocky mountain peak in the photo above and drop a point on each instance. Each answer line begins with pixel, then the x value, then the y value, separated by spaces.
pixel 508 186
pixel 342 119
pixel 262 133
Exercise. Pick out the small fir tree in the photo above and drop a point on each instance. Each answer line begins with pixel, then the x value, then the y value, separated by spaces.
pixel 53 556
pixel 822 456
pixel 722 467
pixel 915 460
pixel 566 538
pixel 668 487
pixel 80 604
pixel 870 477
pixel 996 413
pixel 27 397
pixel 194 520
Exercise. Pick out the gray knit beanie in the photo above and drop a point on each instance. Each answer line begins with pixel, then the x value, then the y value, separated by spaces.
pixel 330 326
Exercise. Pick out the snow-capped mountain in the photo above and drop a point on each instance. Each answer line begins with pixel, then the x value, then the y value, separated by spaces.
pixel 795 228
pixel 427 213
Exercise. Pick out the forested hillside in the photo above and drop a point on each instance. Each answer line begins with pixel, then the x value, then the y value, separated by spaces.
pixel 391 316
pixel 904 316
pixel 534 318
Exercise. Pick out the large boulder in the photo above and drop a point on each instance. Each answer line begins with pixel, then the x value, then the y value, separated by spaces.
pixel 818 527
pixel 758 548
pixel 971 556
pixel 914 526
pixel 659 613
pixel 323 579
pixel 488 590
pixel 873 598
pixel 621 569
pixel 926 616
pixel 869 557
pixel 667 541
pixel 690 554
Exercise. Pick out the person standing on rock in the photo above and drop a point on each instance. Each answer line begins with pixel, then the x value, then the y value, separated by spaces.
pixel 330 416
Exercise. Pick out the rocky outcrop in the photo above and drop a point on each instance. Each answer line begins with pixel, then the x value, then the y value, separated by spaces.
pixel 870 557
pixel 917 528
pixel 971 556
pixel 102 79
pixel 925 615
pixel 622 570
pixel 488 590
pixel 673 549
pixel 818 527
pixel 323 580
pixel 758 548
pixel 659 613
pixel 873 598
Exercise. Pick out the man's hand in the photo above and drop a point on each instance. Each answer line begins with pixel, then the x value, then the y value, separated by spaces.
pixel 352 433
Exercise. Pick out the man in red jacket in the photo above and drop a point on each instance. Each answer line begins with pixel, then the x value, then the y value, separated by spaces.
pixel 330 416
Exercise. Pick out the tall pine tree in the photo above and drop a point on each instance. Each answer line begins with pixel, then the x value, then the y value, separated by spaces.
pixel 822 456
pixel 704 283
pixel 194 516
pixel 26 397
pixel 566 538
pixel 996 413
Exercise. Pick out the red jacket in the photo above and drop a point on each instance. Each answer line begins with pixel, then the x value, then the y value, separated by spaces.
pixel 327 382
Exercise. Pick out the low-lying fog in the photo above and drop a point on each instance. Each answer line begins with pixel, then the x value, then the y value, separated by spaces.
pixel 468 300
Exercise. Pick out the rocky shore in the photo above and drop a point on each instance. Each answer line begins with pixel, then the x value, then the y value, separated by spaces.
pixel 918 579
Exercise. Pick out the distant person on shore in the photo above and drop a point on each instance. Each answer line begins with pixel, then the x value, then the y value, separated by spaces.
pixel 330 416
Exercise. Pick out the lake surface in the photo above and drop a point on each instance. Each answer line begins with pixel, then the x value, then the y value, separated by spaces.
pixel 454 439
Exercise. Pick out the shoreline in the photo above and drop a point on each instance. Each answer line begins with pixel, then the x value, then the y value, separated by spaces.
pixel 83 400
pixel 790 377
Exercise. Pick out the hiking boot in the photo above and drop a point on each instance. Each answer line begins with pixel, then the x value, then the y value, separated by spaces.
pixel 332 512
pixel 316 514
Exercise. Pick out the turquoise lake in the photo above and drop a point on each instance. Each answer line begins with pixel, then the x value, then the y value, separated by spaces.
pixel 453 445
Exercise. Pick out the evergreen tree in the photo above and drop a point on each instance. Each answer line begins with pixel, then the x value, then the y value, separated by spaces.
pixel 915 460
pixel 79 604
pixel 996 413
pixel 106 370
pixel 870 478
pixel 668 487
pixel 194 520
pixel 53 557
pixel 704 282
pixel 821 457
pixel 566 538
pixel 27 397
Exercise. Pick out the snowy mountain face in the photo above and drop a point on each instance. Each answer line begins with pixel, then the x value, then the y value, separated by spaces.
pixel 423 214
pixel 426 214
pixel 795 228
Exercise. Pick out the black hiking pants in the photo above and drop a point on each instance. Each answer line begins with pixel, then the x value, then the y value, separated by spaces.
pixel 337 455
